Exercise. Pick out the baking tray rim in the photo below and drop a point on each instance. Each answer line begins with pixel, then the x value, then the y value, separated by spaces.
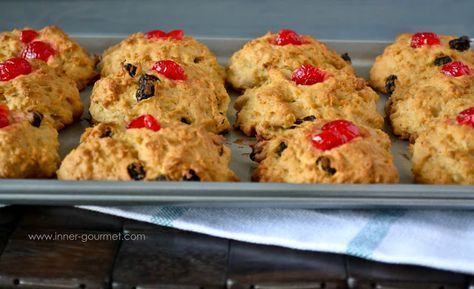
pixel 229 194
pixel 151 187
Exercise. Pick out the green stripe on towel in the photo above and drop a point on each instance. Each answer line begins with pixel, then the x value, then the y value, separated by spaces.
pixel 165 216
pixel 373 233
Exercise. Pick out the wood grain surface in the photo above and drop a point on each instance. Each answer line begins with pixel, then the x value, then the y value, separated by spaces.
pixel 165 258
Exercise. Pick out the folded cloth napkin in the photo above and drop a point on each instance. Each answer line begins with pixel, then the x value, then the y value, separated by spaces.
pixel 438 239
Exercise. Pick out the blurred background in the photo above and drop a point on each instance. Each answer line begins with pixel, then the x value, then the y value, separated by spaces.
pixel 336 19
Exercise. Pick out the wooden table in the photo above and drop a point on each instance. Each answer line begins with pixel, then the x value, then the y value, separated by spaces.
pixel 173 259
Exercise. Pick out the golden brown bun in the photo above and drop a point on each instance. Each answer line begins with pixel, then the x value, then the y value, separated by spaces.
pixel 291 157
pixel 444 154
pixel 70 59
pixel 408 63
pixel 178 152
pixel 198 100
pixel 250 65
pixel 280 103
pixel 139 50
pixel 44 91
pixel 28 147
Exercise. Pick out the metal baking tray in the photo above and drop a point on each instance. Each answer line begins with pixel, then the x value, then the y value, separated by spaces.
pixel 244 194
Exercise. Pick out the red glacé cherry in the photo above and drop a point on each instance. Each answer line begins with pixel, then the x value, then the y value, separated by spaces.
pixel 28 35
pixel 169 69
pixel 4 116
pixel 308 75
pixel 145 121
pixel 326 140
pixel 154 34
pixel 157 34
pixel 455 69
pixel 14 67
pixel 334 134
pixel 346 129
pixel 38 50
pixel 176 34
pixel 424 38
pixel 287 36
pixel 466 117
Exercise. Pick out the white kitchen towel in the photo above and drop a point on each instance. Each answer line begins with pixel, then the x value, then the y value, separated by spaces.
pixel 438 239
